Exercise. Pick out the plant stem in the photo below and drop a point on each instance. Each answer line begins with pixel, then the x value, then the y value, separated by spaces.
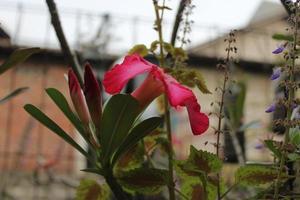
pixel 166 104
pixel 71 59
pixel 291 95
pixel 228 190
pixel 220 114
pixel 115 187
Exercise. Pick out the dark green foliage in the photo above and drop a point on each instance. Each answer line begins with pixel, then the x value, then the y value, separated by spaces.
pixel 118 117
pixel 254 175
pixel 50 124
pixel 13 94
pixel 284 37
pixel 136 134
pixel 144 180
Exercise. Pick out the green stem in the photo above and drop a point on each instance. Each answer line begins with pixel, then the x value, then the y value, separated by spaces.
pixel 228 190
pixel 166 105
pixel 291 95
pixel 115 187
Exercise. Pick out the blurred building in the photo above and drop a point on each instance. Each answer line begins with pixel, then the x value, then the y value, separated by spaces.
pixel 255 62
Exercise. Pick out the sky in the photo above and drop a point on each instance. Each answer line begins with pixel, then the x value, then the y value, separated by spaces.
pixel 212 18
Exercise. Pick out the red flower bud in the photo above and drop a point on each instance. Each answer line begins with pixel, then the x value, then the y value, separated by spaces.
pixel 92 92
pixel 78 98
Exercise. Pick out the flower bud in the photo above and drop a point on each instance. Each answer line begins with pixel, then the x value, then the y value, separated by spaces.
pixel 78 98
pixel 92 92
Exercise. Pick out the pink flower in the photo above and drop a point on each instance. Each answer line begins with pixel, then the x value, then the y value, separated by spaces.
pixel 156 83
pixel 78 98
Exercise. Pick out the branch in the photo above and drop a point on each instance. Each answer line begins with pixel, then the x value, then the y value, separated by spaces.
pixel 178 19
pixel 71 58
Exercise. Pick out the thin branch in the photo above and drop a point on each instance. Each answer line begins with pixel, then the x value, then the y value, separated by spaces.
pixel 71 58
pixel 177 21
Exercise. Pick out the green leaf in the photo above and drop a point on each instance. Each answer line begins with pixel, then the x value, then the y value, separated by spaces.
pixel 144 180
pixel 13 94
pixel 46 121
pixel 179 54
pixel 154 45
pixel 236 108
pixel 93 171
pixel 140 49
pixel 283 37
pixel 294 134
pixel 253 175
pixel 63 105
pixel 273 147
pixel 201 84
pixel 168 47
pixel 190 78
pixel 132 159
pixel 194 190
pixel 18 56
pixel 118 117
pixel 91 190
pixel 203 161
pixel 136 134
pixel 293 156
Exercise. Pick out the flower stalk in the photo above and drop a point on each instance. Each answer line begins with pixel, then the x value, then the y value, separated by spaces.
pixel 225 68
pixel 171 184
pixel 291 94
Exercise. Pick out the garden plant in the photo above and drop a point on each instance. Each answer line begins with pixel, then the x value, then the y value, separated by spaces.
pixel 124 147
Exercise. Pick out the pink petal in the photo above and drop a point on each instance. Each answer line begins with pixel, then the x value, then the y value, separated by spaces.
pixel 179 95
pixel 133 65
pixel 198 120
pixel 148 90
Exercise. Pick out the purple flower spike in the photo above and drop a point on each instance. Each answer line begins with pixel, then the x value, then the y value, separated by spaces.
pixel 276 73
pixel 271 108
pixel 279 49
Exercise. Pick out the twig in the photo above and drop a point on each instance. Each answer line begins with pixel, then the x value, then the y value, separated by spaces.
pixel 177 21
pixel 71 58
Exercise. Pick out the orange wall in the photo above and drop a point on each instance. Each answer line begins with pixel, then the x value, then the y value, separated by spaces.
pixel 13 118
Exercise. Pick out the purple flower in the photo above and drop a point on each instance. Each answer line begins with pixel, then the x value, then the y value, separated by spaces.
pixel 271 108
pixel 276 73
pixel 259 146
pixel 279 49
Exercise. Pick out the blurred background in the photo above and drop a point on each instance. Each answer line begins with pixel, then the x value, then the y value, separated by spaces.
pixel 36 164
